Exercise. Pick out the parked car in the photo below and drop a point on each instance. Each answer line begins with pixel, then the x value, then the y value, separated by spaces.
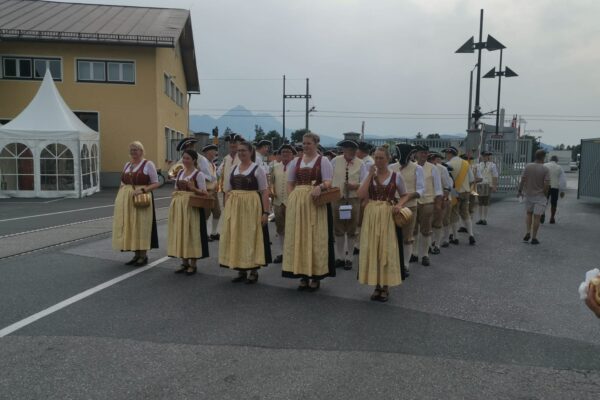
pixel 573 166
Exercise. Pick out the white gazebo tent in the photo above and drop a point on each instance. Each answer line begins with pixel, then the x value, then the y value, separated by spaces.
pixel 46 151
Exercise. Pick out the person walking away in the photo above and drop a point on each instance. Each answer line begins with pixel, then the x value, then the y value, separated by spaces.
pixel 534 187
pixel 558 184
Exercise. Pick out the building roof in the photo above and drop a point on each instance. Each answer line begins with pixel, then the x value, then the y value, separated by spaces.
pixel 34 20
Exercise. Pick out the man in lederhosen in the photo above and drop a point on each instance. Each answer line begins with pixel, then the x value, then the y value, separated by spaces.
pixel 489 182
pixel 441 216
pixel 463 177
pixel 364 154
pixel 210 153
pixel 279 194
pixel 412 174
pixel 347 173
pixel 427 203
pixel 229 162
pixel 262 155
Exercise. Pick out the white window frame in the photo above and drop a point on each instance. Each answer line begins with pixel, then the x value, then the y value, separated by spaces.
pixel 120 64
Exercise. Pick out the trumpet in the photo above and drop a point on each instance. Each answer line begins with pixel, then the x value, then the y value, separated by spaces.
pixel 174 170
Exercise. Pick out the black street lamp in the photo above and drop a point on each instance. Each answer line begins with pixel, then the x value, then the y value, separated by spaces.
pixel 470 46
pixel 509 73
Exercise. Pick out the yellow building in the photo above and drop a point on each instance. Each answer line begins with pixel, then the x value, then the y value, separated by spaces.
pixel 127 72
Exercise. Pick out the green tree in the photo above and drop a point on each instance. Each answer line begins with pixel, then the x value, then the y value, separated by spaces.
pixel 297 135
pixel 433 136
pixel 275 138
pixel 419 136
pixel 259 133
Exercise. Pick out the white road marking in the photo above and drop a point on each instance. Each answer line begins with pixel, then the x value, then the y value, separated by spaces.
pixel 68 211
pixel 71 300
pixel 64 225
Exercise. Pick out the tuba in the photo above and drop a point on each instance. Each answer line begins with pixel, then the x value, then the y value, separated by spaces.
pixel 174 170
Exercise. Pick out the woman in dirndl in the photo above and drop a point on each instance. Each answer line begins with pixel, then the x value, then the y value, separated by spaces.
pixel 187 236
pixel 134 228
pixel 308 247
pixel 244 244
pixel 380 254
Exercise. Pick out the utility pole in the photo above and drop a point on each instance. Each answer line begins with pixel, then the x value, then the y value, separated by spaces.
pixel 306 96
pixel 283 133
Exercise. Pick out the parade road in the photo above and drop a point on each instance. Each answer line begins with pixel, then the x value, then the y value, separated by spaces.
pixel 499 320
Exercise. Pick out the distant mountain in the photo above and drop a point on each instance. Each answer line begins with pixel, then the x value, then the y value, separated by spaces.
pixel 241 120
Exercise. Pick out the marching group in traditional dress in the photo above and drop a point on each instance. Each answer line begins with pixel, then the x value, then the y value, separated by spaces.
pixel 388 213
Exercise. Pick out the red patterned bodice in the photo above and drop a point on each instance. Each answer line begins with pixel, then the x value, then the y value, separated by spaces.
pixel 380 192
pixel 306 176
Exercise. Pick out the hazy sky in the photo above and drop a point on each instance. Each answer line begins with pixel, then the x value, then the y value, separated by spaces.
pixel 396 58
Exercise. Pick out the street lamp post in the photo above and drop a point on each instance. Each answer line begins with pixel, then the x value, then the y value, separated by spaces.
pixel 509 73
pixel 470 46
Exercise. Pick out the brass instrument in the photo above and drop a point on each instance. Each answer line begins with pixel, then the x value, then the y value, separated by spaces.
pixel 174 170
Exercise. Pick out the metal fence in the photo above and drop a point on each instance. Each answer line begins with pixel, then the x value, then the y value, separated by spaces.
pixel 510 155
pixel 589 169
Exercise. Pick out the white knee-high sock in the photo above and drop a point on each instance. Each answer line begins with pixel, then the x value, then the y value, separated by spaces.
pixel 485 211
pixel 481 212
pixel 407 253
pixel 423 246
pixel 340 253
pixel 281 237
pixel 469 225
pixel 455 230
pixel 214 225
pixel 446 234
pixel 351 244
pixel 437 236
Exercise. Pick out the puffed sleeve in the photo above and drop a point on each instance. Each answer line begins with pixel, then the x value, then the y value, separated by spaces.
pixel 204 167
pixel 227 186
pixel 201 181
pixel 437 182
pixel 364 172
pixel 150 170
pixel 326 169
pixel 291 170
pixel 400 186
pixel 420 177
pixel 261 177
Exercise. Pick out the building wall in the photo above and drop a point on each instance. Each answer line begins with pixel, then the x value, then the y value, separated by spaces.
pixel 127 112
pixel 169 113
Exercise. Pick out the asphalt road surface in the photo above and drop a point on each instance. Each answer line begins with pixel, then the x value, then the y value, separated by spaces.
pixel 499 320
